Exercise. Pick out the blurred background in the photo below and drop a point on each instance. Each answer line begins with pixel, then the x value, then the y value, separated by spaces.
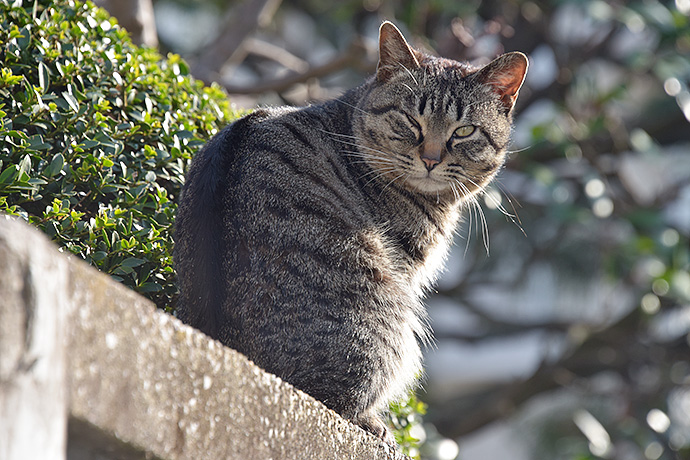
pixel 562 322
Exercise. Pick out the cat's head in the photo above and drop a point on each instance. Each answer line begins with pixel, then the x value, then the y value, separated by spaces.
pixel 434 125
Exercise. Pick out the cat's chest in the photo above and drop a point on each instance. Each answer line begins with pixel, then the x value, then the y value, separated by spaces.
pixel 424 248
pixel 425 273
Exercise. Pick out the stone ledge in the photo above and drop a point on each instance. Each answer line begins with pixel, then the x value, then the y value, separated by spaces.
pixel 134 382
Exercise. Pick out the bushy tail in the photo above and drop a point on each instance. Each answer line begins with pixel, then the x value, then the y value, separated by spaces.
pixel 199 246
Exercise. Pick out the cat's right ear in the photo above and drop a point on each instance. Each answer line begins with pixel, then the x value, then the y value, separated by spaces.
pixel 394 52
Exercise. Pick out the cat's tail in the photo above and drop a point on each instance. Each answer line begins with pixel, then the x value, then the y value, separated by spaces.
pixel 199 245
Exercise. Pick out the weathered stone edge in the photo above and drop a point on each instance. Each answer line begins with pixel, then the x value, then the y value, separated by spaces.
pixel 146 379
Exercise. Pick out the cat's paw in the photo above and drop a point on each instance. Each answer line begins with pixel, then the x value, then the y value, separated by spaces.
pixel 376 426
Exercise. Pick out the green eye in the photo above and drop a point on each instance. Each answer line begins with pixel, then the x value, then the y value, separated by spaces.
pixel 464 131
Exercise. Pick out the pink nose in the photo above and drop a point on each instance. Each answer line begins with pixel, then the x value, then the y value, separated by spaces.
pixel 431 154
pixel 430 163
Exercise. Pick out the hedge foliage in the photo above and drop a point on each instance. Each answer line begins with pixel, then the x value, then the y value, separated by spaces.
pixel 95 135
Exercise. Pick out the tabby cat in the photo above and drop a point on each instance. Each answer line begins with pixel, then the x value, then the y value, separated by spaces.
pixel 307 237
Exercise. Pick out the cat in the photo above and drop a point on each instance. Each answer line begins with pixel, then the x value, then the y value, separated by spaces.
pixel 306 238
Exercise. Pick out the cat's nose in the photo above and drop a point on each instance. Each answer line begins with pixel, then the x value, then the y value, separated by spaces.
pixel 431 154
pixel 430 163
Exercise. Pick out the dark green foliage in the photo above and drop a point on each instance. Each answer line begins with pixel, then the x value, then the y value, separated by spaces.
pixel 95 137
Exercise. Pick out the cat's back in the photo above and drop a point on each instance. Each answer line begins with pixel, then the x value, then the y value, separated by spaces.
pixel 268 196
pixel 293 144
pixel 288 169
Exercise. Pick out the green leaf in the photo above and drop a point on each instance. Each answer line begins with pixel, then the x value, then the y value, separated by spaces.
pixel 8 79
pixel 71 101
pixel 150 287
pixel 123 270
pixel 17 135
pixel 8 175
pixel 132 262
pixel 24 39
pixel 43 77
pixel 55 166
pixel 36 142
pixel 25 165
pixel 37 181
pixel 99 255
pixel 88 144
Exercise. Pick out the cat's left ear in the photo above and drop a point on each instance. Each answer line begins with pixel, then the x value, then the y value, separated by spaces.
pixel 505 76
pixel 394 53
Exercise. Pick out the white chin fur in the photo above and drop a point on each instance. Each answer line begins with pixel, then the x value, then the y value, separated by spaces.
pixel 428 184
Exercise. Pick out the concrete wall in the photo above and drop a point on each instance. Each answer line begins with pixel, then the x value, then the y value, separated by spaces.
pixel 91 370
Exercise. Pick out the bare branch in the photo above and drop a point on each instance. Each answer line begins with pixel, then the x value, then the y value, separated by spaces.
pixel 238 25
pixel 275 53
pixel 615 349
pixel 354 56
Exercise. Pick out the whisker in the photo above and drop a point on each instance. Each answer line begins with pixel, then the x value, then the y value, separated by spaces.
pixel 410 88
pixel 337 134
pixel 410 73
pixel 380 163
pixel 491 198
pixel 354 144
pixel 381 157
pixel 456 194
pixel 510 152
pixel 471 215
pixel 379 172
pixel 391 181
pixel 402 158
pixel 350 105
pixel 460 195
pixel 485 225
pixel 365 155
pixel 481 217
pixel 514 218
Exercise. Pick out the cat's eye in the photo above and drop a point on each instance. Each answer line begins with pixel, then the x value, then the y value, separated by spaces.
pixel 464 131
pixel 417 127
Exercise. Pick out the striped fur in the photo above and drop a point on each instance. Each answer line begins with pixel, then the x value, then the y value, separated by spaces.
pixel 307 238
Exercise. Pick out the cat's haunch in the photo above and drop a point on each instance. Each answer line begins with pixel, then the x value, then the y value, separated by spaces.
pixel 306 238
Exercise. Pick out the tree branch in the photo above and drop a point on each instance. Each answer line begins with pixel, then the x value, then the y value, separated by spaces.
pixel 463 415
pixel 354 56
pixel 275 53
pixel 238 25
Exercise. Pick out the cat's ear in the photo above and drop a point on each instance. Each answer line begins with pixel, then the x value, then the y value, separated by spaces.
pixel 394 53
pixel 505 76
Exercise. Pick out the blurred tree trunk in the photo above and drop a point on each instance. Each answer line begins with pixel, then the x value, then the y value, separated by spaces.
pixel 136 16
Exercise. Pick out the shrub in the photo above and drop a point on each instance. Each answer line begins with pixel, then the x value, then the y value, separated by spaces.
pixel 96 134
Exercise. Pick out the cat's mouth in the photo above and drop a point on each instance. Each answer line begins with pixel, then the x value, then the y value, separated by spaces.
pixel 433 182
pixel 428 182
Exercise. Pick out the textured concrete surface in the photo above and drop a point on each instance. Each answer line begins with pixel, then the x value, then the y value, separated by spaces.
pixel 34 310
pixel 142 385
